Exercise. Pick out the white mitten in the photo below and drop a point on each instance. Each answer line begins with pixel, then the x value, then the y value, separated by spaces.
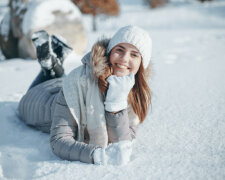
pixel 99 156
pixel 125 151
pixel 119 153
pixel 119 88
pixel 115 154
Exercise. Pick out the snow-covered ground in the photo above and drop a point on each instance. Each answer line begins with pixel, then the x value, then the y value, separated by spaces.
pixel 183 136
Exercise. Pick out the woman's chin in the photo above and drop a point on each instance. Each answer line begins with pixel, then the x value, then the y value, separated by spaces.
pixel 120 73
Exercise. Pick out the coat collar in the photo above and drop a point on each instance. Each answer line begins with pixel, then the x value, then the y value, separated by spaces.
pixel 99 58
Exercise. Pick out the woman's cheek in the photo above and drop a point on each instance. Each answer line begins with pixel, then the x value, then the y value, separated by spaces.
pixel 135 67
pixel 113 58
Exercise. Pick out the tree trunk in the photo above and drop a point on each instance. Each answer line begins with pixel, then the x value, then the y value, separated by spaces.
pixel 94 23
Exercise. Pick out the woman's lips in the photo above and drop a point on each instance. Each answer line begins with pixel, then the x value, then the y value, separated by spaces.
pixel 121 66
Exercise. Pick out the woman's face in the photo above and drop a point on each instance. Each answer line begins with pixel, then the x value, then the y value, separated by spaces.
pixel 125 59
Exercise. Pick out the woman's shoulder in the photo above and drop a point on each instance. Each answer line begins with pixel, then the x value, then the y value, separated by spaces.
pixel 94 63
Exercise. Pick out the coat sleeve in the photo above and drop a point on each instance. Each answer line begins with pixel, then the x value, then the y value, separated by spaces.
pixel 118 126
pixel 64 133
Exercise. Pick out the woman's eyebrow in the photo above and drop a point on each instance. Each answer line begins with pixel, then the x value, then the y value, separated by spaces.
pixel 121 46
pixel 136 52
pixel 133 51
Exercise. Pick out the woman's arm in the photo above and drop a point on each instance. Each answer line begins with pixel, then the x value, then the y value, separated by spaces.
pixel 118 126
pixel 116 108
pixel 64 132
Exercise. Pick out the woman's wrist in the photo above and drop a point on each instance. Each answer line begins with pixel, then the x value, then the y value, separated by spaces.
pixel 114 112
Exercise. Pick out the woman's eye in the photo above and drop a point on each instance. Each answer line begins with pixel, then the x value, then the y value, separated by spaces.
pixel 134 55
pixel 119 50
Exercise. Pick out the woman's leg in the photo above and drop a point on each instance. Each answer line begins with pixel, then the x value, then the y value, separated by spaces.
pixel 41 77
pixel 51 64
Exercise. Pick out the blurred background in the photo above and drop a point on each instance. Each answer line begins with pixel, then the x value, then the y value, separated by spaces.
pixel 78 21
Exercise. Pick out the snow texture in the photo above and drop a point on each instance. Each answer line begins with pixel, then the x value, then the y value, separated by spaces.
pixel 40 37
pixel 5 26
pixel 183 136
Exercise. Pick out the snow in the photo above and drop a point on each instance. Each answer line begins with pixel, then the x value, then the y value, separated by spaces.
pixel 41 13
pixel 5 26
pixel 183 136
pixel 4 20
pixel 40 38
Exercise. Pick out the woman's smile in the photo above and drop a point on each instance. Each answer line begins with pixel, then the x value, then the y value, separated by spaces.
pixel 121 66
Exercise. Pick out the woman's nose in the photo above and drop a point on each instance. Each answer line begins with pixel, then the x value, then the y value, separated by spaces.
pixel 125 57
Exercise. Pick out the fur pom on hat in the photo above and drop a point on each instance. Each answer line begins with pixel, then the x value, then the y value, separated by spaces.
pixel 135 36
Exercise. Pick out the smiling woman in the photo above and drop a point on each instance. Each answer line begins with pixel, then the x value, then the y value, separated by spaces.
pixel 125 59
pixel 95 110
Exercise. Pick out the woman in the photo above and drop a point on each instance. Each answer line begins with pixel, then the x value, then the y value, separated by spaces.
pixel 95 110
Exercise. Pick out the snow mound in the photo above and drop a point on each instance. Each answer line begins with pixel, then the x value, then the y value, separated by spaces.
pixel 40 13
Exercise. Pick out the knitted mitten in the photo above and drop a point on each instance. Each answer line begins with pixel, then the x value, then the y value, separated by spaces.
pixel 115 154
pixel 119 88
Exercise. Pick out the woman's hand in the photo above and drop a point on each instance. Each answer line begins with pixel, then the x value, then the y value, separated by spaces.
pixel 119 88
pixel 115 154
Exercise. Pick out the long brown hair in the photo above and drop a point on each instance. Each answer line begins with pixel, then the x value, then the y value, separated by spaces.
pixel 140 95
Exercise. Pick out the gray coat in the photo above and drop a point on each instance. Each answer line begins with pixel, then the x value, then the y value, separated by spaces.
pixel 44 107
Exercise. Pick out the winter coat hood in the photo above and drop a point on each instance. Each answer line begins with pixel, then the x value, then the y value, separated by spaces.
pixel 96 60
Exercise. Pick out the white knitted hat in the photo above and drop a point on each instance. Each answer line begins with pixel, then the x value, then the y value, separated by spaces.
pixel 135 36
